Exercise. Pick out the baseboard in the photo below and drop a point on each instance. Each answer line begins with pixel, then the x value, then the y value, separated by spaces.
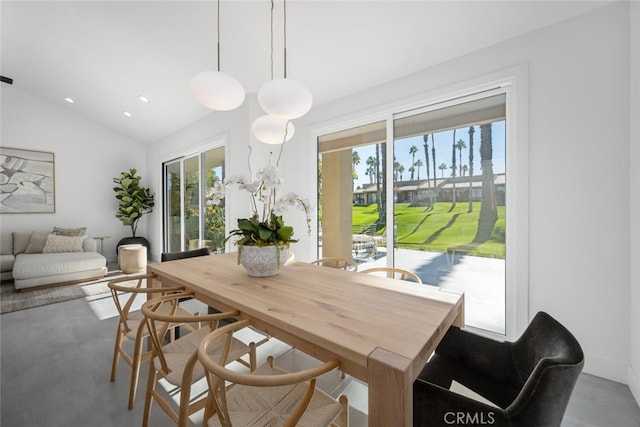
pixel 633 380
pixel 606 368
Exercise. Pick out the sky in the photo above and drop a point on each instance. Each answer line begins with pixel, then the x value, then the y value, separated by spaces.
pixel 443 141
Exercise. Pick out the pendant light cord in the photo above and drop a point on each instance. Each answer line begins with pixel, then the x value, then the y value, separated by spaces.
pixel 218 17
pixel 284 2
pixel 272 6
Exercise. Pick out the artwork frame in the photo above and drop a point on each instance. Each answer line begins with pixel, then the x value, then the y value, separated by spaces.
pixel 27 181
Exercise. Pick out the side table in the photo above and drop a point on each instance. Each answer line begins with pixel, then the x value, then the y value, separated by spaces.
pixel 101 239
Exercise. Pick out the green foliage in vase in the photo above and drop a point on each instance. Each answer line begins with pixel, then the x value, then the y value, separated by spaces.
pixel 252 231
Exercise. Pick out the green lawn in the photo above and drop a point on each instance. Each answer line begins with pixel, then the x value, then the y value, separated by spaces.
pixel 439 228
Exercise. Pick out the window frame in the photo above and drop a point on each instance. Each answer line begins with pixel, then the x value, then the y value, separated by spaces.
pixel 513 83
pixel 181 157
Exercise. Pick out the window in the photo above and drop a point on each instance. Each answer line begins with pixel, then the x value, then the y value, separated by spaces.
pixel 434 201
pixel 449 215
pixel 189 221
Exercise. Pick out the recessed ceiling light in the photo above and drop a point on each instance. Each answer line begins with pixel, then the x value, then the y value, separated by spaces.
pixel 69 100
pixel 143 98
pixel 126 113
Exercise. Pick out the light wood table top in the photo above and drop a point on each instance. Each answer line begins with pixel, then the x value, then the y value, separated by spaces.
pixel 381 330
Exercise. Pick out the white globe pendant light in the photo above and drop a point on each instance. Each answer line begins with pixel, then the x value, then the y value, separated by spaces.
pixel 285 98
pixel 272 130
pixel 217 90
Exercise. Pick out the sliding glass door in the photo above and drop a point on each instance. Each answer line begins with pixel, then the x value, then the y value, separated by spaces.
pixel 449 215
pixel 432 202
pixel 189 221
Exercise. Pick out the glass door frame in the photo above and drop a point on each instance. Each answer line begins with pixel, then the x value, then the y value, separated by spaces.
pixel 199 152
pixel 513 83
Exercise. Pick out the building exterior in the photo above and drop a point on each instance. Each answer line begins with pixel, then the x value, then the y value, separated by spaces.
pixel 421 192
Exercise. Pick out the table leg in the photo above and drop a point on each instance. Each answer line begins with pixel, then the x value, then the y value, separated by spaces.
pixel 390 389
pixel 153 282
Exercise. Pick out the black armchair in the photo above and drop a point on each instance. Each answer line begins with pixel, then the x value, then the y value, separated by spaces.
pixel 529 380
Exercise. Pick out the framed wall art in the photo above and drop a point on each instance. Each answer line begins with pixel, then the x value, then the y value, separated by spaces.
pixel 26 181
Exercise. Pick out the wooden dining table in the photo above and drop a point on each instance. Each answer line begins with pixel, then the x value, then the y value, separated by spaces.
pixel 381 330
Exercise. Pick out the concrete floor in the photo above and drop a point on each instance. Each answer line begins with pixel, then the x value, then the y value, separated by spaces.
pixel 56 360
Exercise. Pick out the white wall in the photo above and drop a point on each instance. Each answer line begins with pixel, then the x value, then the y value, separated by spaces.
pixel 578 170
pixel 583 169
pixel 231 126
pixel 634 158
pixel 579 173
pixel 234 127
pixel 87 158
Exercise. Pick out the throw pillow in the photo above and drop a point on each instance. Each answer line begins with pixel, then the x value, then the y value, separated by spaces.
pixel 80 231
pixel 20 241
pixel 57 244
pixel 36 243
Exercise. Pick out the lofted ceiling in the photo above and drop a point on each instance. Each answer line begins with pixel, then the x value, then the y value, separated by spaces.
pixel 104 54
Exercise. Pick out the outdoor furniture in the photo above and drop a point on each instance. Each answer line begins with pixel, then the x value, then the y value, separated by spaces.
pixel 523 383
pixel 364 242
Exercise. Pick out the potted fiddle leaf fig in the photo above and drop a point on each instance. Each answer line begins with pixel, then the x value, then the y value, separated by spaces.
pixel 134 202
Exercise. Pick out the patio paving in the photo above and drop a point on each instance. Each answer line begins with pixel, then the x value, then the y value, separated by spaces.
pixel 481 279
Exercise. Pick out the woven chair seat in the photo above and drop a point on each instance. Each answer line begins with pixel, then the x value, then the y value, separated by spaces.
pixel 178 353
pixel 271 406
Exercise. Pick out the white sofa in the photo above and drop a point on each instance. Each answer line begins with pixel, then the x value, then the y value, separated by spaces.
pixel 30 268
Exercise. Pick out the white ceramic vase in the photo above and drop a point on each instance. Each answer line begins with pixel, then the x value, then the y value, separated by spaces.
pixel 263 261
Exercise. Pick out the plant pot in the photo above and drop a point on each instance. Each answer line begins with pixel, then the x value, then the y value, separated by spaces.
pixel 262 261
pixel 134 241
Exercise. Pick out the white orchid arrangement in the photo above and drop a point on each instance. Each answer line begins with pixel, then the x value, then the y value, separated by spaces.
pixel 265 226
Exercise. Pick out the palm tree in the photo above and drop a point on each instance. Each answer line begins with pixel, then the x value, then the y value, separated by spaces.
pixel 354 162
pixel 417 165
pixel 464 170
pixel 413 150
pixel 412 170
pixel 426 156
pixel 488 211
pixel 381 179
pixel 372 169
pixel 461 145
pixel 471 131
pixel 442 167
pixel 400 171
pixel 396 168
pixel 453 170
pixel 433 159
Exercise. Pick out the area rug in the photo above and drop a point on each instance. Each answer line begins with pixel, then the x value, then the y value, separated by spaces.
pixel 12 300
